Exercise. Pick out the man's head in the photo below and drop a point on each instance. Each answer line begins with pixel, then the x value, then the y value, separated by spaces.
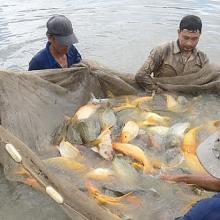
pixel 189 32
pixel 60 27
pixel 191 23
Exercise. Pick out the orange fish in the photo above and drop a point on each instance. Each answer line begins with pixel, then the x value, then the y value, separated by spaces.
pixel 33 183
pixel 83 112
pixel 136 153
pixel 29 179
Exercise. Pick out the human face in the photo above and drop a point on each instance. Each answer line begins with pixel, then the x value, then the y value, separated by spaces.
pixel 188 40
pixel 57 47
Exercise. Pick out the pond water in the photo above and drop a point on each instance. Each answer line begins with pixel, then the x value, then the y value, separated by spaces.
pixel 119 34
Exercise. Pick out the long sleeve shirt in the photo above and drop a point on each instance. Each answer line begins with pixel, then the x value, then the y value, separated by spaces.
pixel 166 60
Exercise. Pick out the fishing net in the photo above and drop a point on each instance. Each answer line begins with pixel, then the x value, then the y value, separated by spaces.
pixel 32 108
pixel 32 105
pixel 207 79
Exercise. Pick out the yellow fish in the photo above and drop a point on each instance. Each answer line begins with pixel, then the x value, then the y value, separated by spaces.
pixel 100 174
pixel 23 171
pixel 189 143
pixel 156 119
pixel 103 199
pixel 129 131
pixel 211 126
pixel 143 99
pixel 136 153
pixel 126 106
pixel 158 129
pixel 66 164
pixel 193 163
pixel 172 104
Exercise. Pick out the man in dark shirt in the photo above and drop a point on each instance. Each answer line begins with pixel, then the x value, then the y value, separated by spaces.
pixel 60 51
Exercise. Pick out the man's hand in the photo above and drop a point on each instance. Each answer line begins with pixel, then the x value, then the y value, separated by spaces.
pixel 172 177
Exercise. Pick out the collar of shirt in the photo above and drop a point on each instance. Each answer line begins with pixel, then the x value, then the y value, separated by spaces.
pixel 52 61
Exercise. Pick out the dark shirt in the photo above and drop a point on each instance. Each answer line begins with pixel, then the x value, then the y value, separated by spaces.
pixel 44 60
pixel 205 209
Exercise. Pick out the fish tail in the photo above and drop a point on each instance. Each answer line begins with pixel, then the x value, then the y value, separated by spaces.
pixel 148 169
pixel 67 118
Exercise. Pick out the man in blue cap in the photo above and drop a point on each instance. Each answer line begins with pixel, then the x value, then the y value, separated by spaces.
pixel 60 51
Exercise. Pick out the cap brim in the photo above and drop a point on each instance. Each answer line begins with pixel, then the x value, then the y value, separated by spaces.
pixel 66 40
pixel 207 155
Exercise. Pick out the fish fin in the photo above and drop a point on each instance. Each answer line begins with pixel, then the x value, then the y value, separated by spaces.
pixel 108 105
pixel 138 105
pixel 151 121
pixel 110 94
pixel 95 142
pixel 127 100
pixel 95 149
pixel 92 95
pixel 104 127
pixel 67 118
pixel 153 94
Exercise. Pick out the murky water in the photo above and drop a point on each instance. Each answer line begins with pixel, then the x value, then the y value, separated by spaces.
pixel 119 34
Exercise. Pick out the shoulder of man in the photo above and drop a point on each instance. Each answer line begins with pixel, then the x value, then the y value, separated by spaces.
pixel 163 48
pixel 202 55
